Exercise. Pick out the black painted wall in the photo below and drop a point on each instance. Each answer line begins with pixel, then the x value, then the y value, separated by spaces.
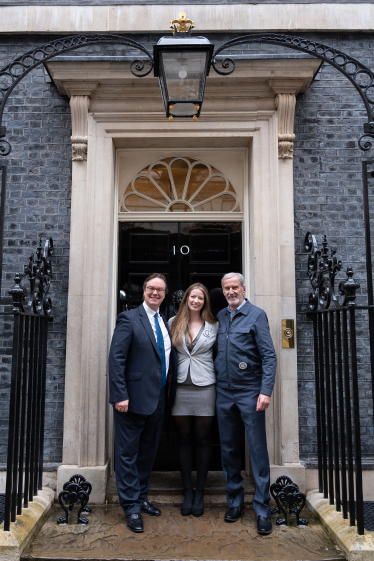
pixel 327 201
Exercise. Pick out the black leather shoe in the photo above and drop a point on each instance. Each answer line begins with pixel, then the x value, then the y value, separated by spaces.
pixel 233 514
pixel 186 509
pixel 149 509
pixel 198 504
pixel 264 525
pixel 135 522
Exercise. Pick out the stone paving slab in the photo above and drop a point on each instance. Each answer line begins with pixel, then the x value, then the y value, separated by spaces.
pixel 172 536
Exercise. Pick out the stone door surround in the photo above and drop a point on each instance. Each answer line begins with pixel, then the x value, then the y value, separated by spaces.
pixel 251 109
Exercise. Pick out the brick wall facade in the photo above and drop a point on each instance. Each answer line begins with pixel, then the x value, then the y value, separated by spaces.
pixel 327 179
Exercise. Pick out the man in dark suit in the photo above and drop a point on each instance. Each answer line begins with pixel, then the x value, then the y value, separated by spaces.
pixel 245 365
pixel 142 379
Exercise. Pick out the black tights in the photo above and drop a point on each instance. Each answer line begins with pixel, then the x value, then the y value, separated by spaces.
pixel 201 428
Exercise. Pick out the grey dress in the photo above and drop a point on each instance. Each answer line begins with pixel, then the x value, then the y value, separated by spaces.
pixel 196 394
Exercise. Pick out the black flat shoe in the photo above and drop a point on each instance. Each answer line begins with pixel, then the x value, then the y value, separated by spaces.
pixel 233 514
pixel 198 504
pixel 151 510
pixel 186 509
pixel 135 522
pixel 264 525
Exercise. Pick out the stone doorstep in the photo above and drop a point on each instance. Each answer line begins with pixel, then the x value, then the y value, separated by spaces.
pixel 174 537
pixel 23 530
pixel 166 488
pixel 355 547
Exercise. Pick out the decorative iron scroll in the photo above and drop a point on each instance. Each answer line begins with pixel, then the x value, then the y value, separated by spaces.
pixel 39 274
pixel 75 491
pixel 357 73
pixel 288 498
pixel 323 266
pixel 16 70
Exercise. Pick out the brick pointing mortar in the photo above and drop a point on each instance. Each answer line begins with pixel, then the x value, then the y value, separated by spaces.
pixel 327 197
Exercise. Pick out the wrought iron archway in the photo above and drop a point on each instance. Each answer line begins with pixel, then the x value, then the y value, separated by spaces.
pixel 355 71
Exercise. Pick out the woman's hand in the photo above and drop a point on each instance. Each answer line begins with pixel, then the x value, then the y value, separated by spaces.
pixel 122 406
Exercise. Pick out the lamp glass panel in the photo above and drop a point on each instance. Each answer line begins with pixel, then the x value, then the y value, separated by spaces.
pixel 183 110
pixel 184 74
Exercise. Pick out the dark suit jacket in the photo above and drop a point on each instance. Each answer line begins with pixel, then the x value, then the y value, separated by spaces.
pixel 135 364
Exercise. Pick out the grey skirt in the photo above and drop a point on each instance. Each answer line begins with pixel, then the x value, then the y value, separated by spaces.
pixel 198 401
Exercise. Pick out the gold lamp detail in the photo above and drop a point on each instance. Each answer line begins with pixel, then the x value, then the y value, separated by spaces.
pixel 181 25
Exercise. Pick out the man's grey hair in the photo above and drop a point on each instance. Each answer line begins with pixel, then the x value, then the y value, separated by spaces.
pixel 230 275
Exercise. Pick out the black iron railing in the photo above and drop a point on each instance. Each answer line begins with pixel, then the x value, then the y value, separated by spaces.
pixel 32 314
pixel 335 317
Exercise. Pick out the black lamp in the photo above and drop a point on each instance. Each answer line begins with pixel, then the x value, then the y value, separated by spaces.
pixel 182 63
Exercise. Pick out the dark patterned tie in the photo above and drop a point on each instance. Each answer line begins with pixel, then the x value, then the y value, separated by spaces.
pixel 161 350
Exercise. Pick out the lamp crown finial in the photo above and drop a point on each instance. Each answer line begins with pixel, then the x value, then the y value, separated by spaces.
pixel 182 25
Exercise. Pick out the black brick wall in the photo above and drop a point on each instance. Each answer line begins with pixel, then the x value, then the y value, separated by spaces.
pixel 38 204
pixel 327 180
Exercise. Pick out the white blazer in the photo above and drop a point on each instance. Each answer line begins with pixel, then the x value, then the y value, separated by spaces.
pixel 200 360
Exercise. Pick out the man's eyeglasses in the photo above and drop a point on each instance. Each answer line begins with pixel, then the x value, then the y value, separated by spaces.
pixel 153 288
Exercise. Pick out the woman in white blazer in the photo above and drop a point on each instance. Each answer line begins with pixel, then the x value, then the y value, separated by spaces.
pixel 194 332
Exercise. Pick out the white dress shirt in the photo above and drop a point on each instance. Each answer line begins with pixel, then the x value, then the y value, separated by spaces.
pixel 167 343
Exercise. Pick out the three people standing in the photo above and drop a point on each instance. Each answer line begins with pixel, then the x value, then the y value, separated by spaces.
pixel 144 370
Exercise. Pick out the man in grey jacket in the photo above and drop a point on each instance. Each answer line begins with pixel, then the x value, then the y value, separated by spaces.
pixel 245 366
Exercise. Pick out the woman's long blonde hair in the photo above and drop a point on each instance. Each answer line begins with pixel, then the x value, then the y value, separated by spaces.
pixel 180 324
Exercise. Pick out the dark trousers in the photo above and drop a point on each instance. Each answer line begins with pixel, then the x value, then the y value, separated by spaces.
pixel 136 442
pixel 231 405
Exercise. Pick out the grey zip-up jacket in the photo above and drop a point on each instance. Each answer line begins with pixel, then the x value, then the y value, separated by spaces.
pixel 246 357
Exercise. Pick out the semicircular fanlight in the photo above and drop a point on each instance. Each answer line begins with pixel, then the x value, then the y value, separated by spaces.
pixel 179 184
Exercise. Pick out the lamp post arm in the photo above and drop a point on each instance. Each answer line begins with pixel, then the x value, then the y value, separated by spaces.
pixel 16 70
pixel 357 73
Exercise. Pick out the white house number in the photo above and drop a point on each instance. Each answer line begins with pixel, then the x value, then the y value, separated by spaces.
pixel 185 250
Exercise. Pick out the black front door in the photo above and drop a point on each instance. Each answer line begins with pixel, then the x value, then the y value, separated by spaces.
pixel 185 253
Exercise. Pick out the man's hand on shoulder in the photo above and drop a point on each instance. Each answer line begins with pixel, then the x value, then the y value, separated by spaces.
pixel 122 406
pixel 263 402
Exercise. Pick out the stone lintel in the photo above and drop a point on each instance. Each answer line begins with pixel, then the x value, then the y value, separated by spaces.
pixel 288 17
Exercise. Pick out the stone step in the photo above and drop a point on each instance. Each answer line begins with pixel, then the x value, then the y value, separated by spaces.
pixel 174 537
pixel 166 488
